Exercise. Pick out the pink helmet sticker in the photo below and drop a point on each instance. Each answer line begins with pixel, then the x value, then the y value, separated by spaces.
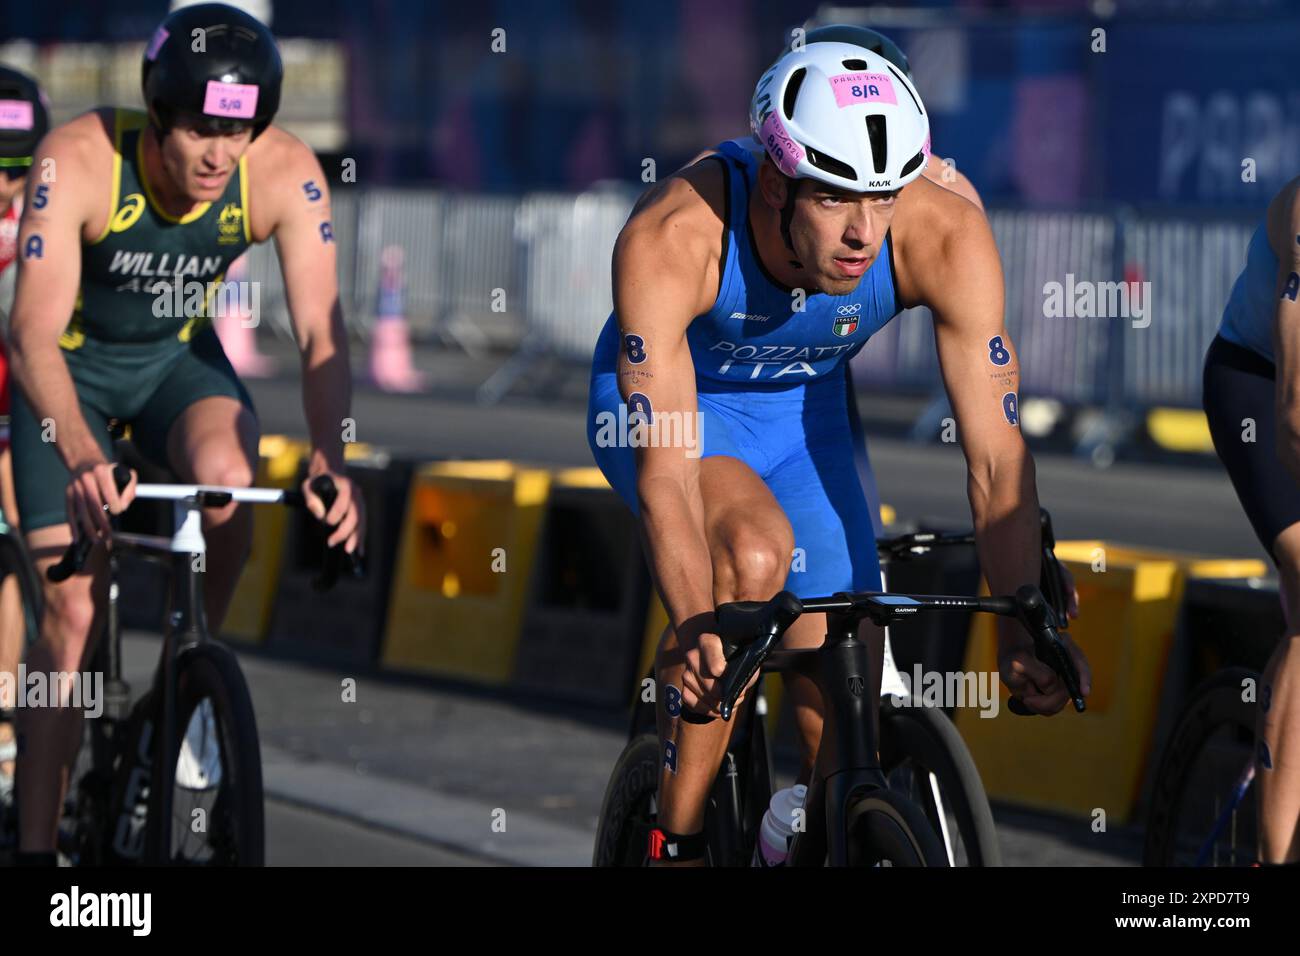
pixel 16 114
pixel 785 152
pixel 852 88
pixel 159 38
pixel 926 148
pixel 235 100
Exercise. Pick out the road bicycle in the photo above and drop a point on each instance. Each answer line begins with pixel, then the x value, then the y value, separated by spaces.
pixel 853 817
pixel 176 777
pixel 1204 810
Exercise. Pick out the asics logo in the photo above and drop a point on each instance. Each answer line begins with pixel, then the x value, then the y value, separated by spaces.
pixel 853 309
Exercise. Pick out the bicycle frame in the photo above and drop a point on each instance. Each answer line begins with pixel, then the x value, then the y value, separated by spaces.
pixel 851 736
pixel 186 623
pixel 1239 790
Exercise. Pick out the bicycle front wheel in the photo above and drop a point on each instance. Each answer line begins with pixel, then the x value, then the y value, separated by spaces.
pixel 886 829
pixel 214 776
pixel 1203 805
pixel 926 760
pixel 629 809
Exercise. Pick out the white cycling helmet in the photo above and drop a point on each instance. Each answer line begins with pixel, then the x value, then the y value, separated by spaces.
pixel 843 115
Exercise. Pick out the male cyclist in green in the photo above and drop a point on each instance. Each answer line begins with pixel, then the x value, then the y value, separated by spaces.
pixel 137 202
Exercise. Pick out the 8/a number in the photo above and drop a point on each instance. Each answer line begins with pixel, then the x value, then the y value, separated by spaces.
pixel 635 348
pixel 998 354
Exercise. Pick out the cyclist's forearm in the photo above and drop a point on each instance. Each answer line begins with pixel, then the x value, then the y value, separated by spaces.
pixel 327 395
pixel 46 384
pixel 1004 511
pixel 679 553
pixel 8 499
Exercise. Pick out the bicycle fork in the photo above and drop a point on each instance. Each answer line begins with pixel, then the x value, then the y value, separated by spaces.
pixel 186 626
pixel 848 762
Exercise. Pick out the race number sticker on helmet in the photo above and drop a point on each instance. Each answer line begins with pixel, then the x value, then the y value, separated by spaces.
pixel 16 114
pixel 159 38
pixel 852 88
pixel 785 152
pixel 236 100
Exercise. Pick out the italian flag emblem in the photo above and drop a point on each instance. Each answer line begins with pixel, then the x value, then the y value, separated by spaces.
pixel 846 325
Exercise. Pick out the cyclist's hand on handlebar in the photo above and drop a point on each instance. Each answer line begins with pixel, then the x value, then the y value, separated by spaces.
pixel 90 489
pixel 347 516
pixel 1071 592
pixel 1035 683
pixel 702 675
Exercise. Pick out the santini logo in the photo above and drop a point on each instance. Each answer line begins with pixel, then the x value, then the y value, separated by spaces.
pixel 750 318
pixel 103 909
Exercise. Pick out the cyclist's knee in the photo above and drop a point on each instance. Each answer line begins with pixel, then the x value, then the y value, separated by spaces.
pixel 1286 548
pixel 230 469
pixel 749 565
pixel 69 618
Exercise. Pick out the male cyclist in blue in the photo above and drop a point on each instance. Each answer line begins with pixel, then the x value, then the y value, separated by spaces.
pixel 1252 402
pixel 741 286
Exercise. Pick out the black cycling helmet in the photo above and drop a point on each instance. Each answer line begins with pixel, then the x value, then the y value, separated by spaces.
pixel 24 117
pixel 231 80
pixel 863 37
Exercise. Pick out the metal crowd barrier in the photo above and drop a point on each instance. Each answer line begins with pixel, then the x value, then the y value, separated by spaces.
pixel 532 274
pixel 1191 266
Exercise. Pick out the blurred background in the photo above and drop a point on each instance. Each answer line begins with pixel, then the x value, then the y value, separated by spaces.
pixel 500 148
pixel 483 158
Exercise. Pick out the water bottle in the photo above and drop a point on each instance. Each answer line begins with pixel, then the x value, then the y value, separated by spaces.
pixel 778 826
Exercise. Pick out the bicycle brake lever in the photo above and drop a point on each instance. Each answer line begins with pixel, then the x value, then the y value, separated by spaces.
pixel 324 488
pixel 1048 648
pixel 744 660
pixel 74 558
pixel 742 669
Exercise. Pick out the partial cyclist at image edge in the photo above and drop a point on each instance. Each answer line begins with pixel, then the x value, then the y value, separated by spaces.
pixel 24 120
pixel 1251 397
pixel 119 259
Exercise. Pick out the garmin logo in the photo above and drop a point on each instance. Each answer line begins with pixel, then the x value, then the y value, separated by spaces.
pixel 750 318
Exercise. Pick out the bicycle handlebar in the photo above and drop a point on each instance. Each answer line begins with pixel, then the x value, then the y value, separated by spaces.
pixel 333 562
pixel 750 630
pixel 906 547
